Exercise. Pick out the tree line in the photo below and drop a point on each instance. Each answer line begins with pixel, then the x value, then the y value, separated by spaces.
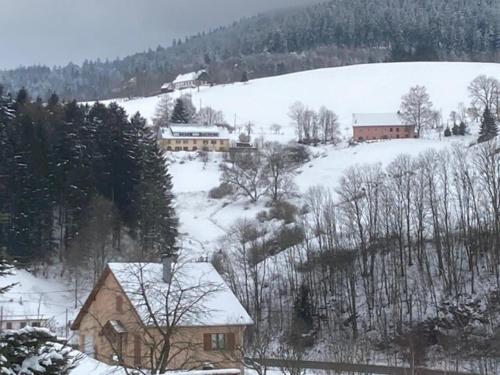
pixel 78 180
pixel 334 33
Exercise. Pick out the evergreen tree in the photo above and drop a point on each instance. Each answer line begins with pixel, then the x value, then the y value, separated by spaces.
pixel 157 223
pixel 35 351
pixel 244 76
pixel 302 319
pixel 462 128
pixel 488 128
pixel 447 132
pixel 180 113
pixel 455 129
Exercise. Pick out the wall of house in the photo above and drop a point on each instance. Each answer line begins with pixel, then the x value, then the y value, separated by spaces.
pixel 364 133
pixel 189 344
pixel 190 144
pixel 8 323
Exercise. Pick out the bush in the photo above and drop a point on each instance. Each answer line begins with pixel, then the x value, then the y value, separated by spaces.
pixel 297 153
pixel 221 191
pixel 283 210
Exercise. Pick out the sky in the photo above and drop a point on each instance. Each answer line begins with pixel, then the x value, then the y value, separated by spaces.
pixel 55 32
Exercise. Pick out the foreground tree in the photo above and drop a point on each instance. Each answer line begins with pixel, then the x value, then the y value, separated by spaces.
pixel 416 109
pixel 35 351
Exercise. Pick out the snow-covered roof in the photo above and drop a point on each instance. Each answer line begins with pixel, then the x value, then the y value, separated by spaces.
pixel 166 85
pixel 192 131
pixel 189 76
pixel 377 119
pixel 216 304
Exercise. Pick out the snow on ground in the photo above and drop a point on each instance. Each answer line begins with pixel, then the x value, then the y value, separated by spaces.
pixel 361 88
pixel 347 90
pixel 36 298
pixel 331 163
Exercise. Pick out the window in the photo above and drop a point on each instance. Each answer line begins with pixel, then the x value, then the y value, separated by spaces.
pixel 177 149
pixel 221 142
pixel 397 130
pixel 390 129
pixel 22 325
pixel 218 341
pixel 185 141
pixel 195 141
pixel 213 142
pixel 186 148
pixel 119 304
pixel 35 324
pixel 9 325
pixel 205 142
pixel 178 141
pixel 168 141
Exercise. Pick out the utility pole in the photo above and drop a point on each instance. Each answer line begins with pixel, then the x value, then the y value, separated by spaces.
pixel 66 325
pixel 76 292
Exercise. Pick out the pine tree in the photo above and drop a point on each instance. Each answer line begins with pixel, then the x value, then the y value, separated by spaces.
pixel 157 223
pixel 35 351
pixel 488 128
pixel 462 128
pixel 455 130
pixel 447 132
pixel 180 113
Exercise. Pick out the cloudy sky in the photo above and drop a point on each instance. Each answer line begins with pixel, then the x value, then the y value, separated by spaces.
pixel 58 31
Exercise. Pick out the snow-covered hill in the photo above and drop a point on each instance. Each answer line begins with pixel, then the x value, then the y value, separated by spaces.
pixel 346 90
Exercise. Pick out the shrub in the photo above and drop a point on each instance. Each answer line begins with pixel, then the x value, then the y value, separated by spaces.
pixel 283 210
pixel 221 191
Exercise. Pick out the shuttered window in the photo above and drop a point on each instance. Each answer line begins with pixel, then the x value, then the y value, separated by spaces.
pixel 219 341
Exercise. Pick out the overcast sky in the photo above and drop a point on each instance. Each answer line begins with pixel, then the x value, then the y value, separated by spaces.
pixel 59 31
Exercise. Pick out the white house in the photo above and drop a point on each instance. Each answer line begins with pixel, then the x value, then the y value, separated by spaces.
pixel 193 137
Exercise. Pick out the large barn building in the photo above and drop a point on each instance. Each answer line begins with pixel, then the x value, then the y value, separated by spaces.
pixel 369 126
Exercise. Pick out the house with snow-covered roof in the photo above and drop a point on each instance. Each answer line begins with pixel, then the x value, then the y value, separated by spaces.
pixel 369 126
pixel 137 308
pixel 193 137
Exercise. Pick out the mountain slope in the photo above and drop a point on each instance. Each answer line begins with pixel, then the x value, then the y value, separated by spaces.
pixel 346 90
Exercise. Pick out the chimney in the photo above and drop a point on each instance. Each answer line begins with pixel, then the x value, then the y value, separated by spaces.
pixel 166 260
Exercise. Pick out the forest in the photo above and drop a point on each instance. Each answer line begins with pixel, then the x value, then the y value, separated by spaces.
pixel 76 181
pixel 334 33
pixel 399 264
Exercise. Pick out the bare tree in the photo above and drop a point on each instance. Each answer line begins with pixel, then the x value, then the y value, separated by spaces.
pixel 247 174
pixel 275 128
pixel 210 116
pixel 163 112
pixel 296 113
pixel 416 109
pixel 484 92
pixel 329 125
pixel 278 169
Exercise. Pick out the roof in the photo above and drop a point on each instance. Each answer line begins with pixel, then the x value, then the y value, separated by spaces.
pixel 377 119
pixel 166 85
pixel 216 304
pixel 189 76
pixel 201 131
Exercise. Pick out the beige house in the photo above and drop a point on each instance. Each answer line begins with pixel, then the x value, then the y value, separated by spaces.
pixel 369 126
pixel 136 311
pixel 193 137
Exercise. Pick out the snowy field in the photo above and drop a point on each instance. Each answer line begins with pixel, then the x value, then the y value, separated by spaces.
pixel 346 90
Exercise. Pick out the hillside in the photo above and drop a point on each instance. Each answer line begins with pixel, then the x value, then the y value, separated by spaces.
pixel 334 33
pixel 346 90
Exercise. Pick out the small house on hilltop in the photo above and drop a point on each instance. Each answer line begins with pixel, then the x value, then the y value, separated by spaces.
pixel 368 126
pixel 193 137
pixel 183 315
